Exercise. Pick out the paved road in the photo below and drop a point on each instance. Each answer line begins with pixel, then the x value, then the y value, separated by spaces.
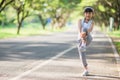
pixel 55 57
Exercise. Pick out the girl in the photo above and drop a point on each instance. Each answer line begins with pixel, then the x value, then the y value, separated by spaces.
pixel 85 26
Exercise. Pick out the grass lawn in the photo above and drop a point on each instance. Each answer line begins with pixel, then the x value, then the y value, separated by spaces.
pixel 27 31
pixel 115 35
pixel 117 45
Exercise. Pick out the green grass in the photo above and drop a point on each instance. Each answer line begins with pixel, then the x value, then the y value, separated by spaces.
pixel 114 35
pixel 31 30
pixel 117 46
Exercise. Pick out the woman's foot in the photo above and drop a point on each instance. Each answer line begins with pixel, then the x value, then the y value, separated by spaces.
pixel 85 73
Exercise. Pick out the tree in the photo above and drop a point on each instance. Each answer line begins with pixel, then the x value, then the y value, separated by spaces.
pixel 40 9
pixel 107 9
pixel 20 7
pixel 57 10
pixel 4 3
pixel 63 10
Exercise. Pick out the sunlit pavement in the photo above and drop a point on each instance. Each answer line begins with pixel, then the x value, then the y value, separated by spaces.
pixel 55 57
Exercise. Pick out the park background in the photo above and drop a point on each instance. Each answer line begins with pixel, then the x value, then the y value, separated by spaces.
pixel 20 18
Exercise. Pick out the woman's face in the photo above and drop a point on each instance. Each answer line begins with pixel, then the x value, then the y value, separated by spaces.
pixel 88 15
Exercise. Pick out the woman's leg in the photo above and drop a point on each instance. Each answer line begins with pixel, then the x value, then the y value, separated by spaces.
pixel 88 39
pixel 83 55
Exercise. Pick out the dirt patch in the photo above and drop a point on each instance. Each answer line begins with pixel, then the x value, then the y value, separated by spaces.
pixel 116 39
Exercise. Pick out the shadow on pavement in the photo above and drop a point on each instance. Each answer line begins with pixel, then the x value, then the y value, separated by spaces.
pixel 96 77
pixel 30 50
pixel 102 76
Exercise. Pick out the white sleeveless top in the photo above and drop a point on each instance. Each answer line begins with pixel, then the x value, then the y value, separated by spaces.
pixel 84 25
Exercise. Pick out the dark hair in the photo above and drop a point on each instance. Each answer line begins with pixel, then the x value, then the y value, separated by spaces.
pixel 88 9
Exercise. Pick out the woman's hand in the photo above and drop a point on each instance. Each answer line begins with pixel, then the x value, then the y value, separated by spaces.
pixel 83 35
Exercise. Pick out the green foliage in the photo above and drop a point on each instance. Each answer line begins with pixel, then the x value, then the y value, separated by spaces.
pixel 70 3
pixel 113 11
pixel 101 8
pixel 105 9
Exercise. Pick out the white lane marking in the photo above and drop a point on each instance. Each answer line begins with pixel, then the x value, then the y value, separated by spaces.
pixel 42 64
pixel 116 55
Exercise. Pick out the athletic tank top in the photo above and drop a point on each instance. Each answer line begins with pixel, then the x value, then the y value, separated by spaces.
pixel 84 25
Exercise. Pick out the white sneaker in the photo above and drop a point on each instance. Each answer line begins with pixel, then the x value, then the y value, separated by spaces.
pixel 85 73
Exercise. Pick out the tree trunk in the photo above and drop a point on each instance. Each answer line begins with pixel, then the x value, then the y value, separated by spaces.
pixel 43 22
pixel 19 21
pixel 3 23
pixel 118 14
pixel 19 26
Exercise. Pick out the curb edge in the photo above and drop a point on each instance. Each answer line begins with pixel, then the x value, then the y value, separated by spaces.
pixel 116 55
